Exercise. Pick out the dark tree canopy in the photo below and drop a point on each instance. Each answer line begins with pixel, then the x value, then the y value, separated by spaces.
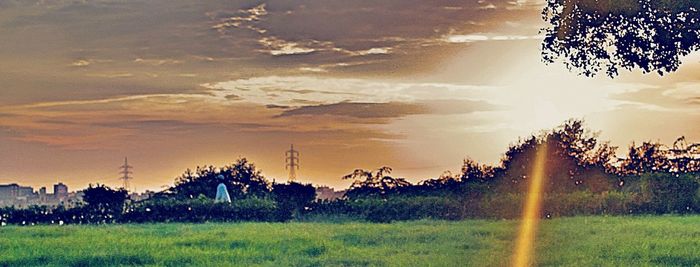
pixel 103 204
pixel 104 198
pixel 241 178
pixel 373 184
pixel 590 36
pixel 293 197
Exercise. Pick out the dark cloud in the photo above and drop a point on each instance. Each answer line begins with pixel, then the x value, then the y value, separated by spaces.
pixel 57 122
pixel 694 100
pixel 304 91
pixel 299 101
pixel 391 109
pixel 178 125
pixel 152 124
pixel 233 97
pixel 271 106
pixel 359 110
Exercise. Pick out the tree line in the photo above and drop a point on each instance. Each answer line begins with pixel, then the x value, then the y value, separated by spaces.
pixel 584 176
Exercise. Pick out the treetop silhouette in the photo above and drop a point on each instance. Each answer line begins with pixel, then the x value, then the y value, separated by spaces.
pixel 591 36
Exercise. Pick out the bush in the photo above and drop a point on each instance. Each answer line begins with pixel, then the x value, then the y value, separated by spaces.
pixel 588 203
pixel 491 206
pixel 104 204
pixel 670 193
pixel 202 210
pixel 498 206
pixel 292 198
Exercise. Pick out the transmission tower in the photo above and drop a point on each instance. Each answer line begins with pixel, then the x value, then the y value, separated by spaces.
pixel 292 163
pixel 126 174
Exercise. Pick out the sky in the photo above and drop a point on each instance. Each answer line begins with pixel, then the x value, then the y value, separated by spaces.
pixel 411 84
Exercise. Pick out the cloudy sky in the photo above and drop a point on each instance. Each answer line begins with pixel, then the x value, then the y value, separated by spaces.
pixel 415 85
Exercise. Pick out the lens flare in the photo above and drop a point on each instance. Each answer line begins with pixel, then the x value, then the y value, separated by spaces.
pixel 524 249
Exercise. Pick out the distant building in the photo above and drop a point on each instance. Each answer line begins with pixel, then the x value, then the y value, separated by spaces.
pixel 328 193
pixel 14 194
pixel 15 190
pixel 43 196
pixel 24 196
pixel 60 191
pixel 142 196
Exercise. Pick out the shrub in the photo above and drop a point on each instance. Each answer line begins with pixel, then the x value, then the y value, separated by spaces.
pixel 292 198
pixel 669 193
pixel 201 210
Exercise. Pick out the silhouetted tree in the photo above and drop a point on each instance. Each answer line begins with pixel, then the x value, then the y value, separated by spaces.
pixel 241 179
pixel 648 157
pixel 591 36
pixel 293 197
pixel 446 183
pixel 368 183
pixel 475 172
pixel 104 204
pixel 684 157
pixel 575 159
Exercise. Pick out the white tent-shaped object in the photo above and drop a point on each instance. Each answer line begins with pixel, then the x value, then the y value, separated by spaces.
pixel 222 194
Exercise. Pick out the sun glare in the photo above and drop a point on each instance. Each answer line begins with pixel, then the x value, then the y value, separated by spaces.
pixel 524 250
pixel 542 114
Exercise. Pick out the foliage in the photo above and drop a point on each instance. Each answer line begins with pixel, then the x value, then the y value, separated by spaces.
pixel 583 176
pixel 592 36
pixel 104 204
pixel 675 194
pixel 373 184
pixel 293 198
pixel 648 157
pixel 202 210
pixel 683 157
pixel 575 161
pixel 241 179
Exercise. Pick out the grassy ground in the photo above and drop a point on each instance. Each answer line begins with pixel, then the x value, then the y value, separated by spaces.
pixel 579 241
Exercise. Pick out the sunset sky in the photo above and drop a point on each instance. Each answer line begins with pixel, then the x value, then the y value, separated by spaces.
pixel 415 85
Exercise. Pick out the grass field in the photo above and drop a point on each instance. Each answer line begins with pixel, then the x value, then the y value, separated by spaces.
pixel 579 241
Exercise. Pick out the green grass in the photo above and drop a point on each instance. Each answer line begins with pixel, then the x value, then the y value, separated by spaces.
pixel 578 241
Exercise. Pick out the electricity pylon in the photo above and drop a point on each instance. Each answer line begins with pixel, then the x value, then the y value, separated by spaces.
pixel 292 163
pixel 126 174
